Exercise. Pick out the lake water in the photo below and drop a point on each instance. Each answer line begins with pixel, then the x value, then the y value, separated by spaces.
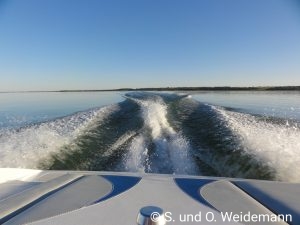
pixel 221 133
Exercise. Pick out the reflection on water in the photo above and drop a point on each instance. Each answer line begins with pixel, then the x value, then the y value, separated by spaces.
pixel 284 104
pixel 19 109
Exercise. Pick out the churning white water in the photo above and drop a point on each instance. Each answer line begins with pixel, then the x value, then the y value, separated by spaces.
pixel 276 144
pixel 170 146
pixel 25 147
pixel 138 135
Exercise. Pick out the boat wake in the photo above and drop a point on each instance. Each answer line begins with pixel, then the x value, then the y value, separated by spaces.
pixel 159 133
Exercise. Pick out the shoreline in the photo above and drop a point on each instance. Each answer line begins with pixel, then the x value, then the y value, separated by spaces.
pixel 217 88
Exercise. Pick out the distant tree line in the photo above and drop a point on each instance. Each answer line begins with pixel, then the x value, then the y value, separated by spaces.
pixel 219 88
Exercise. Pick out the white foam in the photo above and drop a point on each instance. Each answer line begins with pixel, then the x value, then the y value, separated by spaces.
pixel 154 114
pixel 25 148
pixel 278 145
pixel 180 156
pixel 138 154
pixel 170 145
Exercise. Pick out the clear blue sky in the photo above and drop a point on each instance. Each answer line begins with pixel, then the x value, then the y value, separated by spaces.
pixel 95 44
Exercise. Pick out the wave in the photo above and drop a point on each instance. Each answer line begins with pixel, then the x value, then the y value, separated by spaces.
pixel 159 133
pixel 276 144
pixel 26 147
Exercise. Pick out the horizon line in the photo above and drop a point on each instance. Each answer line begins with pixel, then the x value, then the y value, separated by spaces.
pixel 194 88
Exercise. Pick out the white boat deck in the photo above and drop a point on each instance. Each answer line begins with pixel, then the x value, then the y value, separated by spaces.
pixel 78 197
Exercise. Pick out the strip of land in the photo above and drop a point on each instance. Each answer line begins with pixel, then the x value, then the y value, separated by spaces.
pixel 217 88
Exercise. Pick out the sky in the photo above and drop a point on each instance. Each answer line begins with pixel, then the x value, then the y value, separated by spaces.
pixel 104 44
